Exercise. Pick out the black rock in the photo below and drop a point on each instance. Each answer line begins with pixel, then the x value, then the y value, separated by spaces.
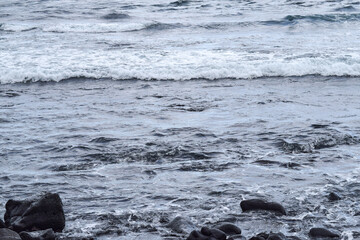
pixel 257 238
pixel 258 204
pixel 229 229
pixel 322 233
pixel 293 238
pixel 207 234
pixel 196 235
pixel 38 235
pixel 236 237
pixel 334 197
pixel 269 236
pixel 276 236
pixel 215 233
pixel 181 225
pixel 263 235
pixel 2 224
pixel 40 214
pixel 7 234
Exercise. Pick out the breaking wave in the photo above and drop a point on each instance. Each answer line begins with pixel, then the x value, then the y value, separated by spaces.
pixel 177 66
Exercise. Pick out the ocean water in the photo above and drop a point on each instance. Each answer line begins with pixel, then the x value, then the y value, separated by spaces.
pixel 136 112
pixel 185 39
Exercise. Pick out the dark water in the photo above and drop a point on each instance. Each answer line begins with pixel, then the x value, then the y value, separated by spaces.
pixel 128 156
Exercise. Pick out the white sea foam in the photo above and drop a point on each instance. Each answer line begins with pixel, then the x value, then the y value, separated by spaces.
pixel 74 27
pixel 93 28
pixel 176 40
pixel 177 65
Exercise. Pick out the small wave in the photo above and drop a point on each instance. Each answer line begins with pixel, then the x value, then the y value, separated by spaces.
pixel 109 27
pixel 92 28
pixel 3 120
pixel 16 27
pixel 3 15
pixel 177 65
pixel 206 166
pixel 295 19
pixel 9 94
pixel 74 167
pixel 103 140
pixel 180 3
pixel 324 17
pixel 346 9
pixel 116 16
pixel 133 6
pixel 317 144
pixel 157 26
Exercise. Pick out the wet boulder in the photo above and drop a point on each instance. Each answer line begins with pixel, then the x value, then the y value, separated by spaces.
pixel 2 224
pixel 236 237
pixel 207 234
pixel 7 234
pixel 293 238
pixel 196 235
pixel 214 233
pixel 276 236
pixel 38 235
pixel 181 225
pixel 269 236
pixel 257 238
pixel 322 233
pixel 229 229
pixel 334 196
pixel 258 204
pixel 38 214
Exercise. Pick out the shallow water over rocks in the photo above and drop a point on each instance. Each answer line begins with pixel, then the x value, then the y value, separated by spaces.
pixel 127 157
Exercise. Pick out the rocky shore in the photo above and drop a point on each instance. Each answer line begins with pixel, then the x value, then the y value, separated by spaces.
pixel 43 218
pixel 35 219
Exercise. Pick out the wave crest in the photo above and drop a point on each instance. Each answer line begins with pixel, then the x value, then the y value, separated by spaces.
pixel 182 66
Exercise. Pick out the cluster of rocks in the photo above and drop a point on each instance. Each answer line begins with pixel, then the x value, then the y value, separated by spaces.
pixel 36 219
pixel 229 231
pixel 39 219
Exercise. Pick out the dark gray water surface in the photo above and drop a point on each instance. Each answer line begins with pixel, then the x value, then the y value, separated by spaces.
pixel 127 156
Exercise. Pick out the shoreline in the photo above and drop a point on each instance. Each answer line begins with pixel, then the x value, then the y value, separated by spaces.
pixel 130 153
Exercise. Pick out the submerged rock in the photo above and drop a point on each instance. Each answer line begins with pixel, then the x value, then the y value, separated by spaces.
pixel 38 235
pixel 212 232
pixel 196 235
pixel 181 225
pixel 229 229
pixel 322 233
pixel 40 214
pixel 7 234
pixel 334 197
pixel 258 204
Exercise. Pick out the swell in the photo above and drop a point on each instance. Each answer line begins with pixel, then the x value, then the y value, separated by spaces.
pixel 99 28
pixel 157 26
pixel 339 17
pixel 111 27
